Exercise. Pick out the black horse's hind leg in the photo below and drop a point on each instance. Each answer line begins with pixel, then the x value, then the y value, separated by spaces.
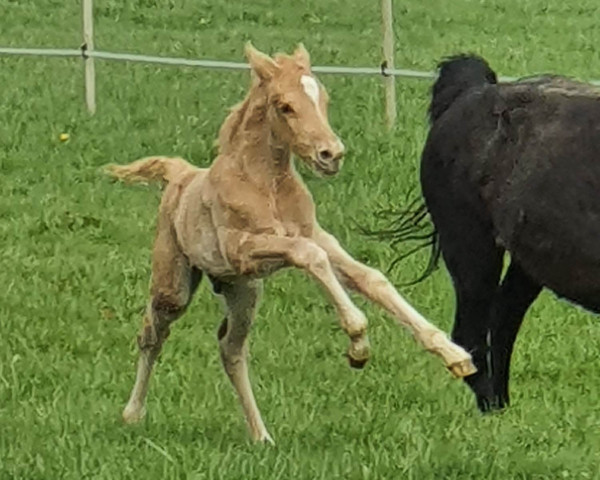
pixel 517 292
pixel 475 265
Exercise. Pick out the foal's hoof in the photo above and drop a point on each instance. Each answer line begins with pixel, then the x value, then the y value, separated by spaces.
pixel 357 363
pixel 265 439
pixel 463 368
pixel 359 352
pixel 133 414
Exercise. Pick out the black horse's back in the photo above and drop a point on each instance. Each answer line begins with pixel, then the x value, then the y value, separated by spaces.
pixel 547 212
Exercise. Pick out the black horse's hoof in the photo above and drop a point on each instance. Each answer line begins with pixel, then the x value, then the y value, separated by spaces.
pixel 495 404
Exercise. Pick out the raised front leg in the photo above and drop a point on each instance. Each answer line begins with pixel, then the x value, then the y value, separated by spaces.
pixel 259 254
pixel 372 284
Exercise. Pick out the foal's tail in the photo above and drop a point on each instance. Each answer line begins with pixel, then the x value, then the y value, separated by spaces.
pixel 458 74
pixel 151 169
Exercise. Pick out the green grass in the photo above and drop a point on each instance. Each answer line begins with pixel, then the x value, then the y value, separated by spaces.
pixel 75 258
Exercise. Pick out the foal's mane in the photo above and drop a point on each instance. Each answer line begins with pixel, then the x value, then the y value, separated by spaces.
pixel 233 121
pixel 237 114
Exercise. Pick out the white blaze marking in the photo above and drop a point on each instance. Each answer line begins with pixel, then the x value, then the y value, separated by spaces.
pixel 311 88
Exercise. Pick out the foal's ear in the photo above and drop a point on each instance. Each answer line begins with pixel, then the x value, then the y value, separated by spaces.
pixel 263 65
pixel 302 56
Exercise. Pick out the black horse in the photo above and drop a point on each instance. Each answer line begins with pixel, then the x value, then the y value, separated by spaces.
pixel 509 167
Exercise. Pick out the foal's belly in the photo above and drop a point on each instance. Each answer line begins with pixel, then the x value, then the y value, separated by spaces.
pixel 205 245
pixel 200 243
pixel 196 233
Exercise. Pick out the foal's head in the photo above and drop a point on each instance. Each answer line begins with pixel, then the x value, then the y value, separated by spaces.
pixel 297 108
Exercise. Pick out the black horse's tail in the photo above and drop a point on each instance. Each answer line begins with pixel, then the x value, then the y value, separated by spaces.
pixel 413 225
pixel 457 75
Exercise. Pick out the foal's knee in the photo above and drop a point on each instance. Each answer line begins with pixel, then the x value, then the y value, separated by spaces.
pixel 233 356
pixel 168 306
pixel 162 311
pixel 222 330
pixel 232 346
pixel 312 257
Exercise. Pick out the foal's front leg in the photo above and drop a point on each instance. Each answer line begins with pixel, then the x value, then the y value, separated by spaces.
pixel 372 284
pixel 251 254
pixel 241 299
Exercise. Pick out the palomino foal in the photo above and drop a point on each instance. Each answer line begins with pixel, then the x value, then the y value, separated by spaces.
pixel 249 215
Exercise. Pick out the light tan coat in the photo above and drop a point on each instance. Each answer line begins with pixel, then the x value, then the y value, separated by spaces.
pixel 249 215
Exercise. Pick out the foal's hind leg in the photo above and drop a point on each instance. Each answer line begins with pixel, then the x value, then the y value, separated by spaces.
pixel 475 265
pixel 173 283
pixel 517 292
pixel 241 299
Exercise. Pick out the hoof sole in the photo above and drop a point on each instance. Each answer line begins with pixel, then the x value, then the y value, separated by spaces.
pixel 358 364
pixel 462 369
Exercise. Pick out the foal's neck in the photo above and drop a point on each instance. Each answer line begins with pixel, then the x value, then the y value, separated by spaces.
pixel 247 140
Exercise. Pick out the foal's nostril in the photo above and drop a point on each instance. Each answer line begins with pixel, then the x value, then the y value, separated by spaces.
pixel 325 155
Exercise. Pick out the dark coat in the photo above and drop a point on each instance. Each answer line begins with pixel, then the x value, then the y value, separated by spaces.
pixel 525 158
pixel 508 167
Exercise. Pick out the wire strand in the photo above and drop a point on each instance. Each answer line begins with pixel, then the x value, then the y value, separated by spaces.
pixel 211 64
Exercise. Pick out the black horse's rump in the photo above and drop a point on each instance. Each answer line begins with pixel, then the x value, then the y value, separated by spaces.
pixel 507 167
pixel 457 75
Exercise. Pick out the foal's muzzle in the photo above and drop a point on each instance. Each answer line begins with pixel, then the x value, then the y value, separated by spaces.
pixel 328 158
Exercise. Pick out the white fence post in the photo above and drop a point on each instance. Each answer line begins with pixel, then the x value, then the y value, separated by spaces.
pixel 88 46
pixel 388 54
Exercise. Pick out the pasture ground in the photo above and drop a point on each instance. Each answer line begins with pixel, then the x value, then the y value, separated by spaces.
pixel 75 251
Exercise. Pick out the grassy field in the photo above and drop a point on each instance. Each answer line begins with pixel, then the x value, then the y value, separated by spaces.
pixel 74 262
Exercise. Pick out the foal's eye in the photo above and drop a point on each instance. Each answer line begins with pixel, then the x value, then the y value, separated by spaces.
pixel 285 108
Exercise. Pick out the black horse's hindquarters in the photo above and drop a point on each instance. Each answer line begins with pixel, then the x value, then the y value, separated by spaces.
pixel 529 165
pixel 512 167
